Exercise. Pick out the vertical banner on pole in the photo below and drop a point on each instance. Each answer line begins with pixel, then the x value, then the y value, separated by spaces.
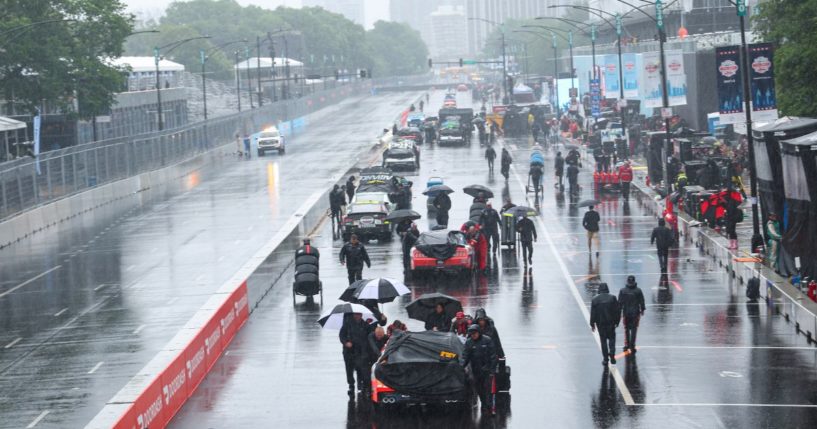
pixel 630 75
pixel 730 85
pixel 764 99
pixel 37 126
pixel 676 78
pixel 651 79
pixel 611 84
pixel 595 98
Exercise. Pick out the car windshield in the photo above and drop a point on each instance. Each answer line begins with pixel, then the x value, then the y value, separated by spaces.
pixel 378 197
pixel 365 208
pixel 269 134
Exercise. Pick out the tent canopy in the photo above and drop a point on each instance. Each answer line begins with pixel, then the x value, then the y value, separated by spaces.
pixel 8 124
pixel 145 64
pixel 266 63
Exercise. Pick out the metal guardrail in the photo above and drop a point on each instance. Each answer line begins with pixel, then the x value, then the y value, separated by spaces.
pixel 28 183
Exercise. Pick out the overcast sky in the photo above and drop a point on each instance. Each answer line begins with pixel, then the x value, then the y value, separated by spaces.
pixel 375 9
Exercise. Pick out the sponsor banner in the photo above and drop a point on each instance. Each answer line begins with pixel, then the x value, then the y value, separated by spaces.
pixel 761 69
pixel 611 83
pixel 676 78
pixel 148 411
pixel 595 97
pixel 630 66
pixel 730 85
pixel 651 79
pixel 195 361
pixel 241 305
pixel 175 386
pixel 212 341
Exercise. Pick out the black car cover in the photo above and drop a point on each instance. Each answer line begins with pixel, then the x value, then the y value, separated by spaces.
pixel 440 244
pixel 425 364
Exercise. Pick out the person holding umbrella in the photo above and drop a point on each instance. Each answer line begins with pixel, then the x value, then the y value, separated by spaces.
pixel 353 254
pixel 354 335
pixel 443 204
pixel 438 320
pixel 490 222
pixel 527 235
pixel 490 155
pixel 559 167
pixel 427 307
pixel 590 222
pixel 480 354
pixel 573 178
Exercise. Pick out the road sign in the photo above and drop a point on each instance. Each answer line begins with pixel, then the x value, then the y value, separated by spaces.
pixel 469 62
pixel 741 7
pixel 659 14
pixel 618 24
pixel 593 32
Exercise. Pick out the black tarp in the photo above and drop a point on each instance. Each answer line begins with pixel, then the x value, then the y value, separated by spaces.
pixel 400 149
pixel 376 179
pixel 799 162
pixel 425 364
pixel 440 244
pixel 770 180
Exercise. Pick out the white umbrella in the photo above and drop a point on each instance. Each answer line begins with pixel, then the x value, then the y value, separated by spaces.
pixel 382 289
pixel 334 318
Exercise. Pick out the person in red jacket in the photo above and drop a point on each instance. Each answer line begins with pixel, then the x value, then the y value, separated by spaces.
pixel 625 176
pixel 477 240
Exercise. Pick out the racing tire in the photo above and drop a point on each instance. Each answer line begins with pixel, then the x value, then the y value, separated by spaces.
pixel 260 153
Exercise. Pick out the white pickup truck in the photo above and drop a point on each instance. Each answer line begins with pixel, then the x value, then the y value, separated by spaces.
pixel 271 139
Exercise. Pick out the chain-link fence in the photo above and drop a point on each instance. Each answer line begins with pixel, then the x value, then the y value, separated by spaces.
pixel 27 183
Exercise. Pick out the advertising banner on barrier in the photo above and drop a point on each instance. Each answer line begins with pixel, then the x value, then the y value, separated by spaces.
pixel 611 84
pixel 764 98
pixel 630 66
pixel 175 386
pixel 676 78
pixel 148 411
pixel 595 97
pixel 651 79
pixel 730 85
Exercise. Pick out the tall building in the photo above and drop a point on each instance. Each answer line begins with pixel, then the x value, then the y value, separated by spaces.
pixel 354 10
pixel 498 11
pixel 417 14
pixel 448 28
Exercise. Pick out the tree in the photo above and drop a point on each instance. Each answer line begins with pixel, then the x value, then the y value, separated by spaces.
pixel 54 50
pixel 396 49
pixel 789 24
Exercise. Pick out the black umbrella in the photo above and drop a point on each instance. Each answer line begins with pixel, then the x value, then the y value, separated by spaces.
pixel 438 188
pixel 520 211
pixel 475 190
pixel 401 215
pixel 380 289
pixel 334 318
pixel 588 203
pixel 422 307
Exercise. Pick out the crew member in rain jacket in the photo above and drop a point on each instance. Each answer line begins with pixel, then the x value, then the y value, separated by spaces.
pixel 604 318
pixel 480 353
pixel 438 320
pixel 527 235
pixel 631 300
pixel 505 163
pixel 354 336
pixel 490 222
pixel 443 204
pixel 409 240
pixel 487 327
pixel 353 254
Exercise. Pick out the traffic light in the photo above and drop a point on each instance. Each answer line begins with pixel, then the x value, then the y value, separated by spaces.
pixel 460 62
pixel 430 63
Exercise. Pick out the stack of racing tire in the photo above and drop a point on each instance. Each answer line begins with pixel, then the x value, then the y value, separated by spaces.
pixel 307 280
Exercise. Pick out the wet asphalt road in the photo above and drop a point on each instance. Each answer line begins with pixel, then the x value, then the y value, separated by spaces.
pixel 85 305
pixel 706 357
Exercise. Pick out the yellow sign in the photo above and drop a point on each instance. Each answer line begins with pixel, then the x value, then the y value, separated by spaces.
pixel 448 355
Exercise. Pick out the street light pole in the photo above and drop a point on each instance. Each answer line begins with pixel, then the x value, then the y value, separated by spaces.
pixel 508 94
pixel 156 59
pixel 204 57
pixel 556 75
pixel 249 80
pixel 662 35
pixel 237 81
pixel 258 68
pixel 757 239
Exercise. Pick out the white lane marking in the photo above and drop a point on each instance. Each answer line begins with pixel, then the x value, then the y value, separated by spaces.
pixel 726 405
pixel 250 228
pixel 237 242
pixel 29 281
pixel 101 286
pixel 173 301
pixel 130 268
pixel 11 344
pixel 96 367
pixel 730 374
pixel 625 391
pixel 200 278
pixel 38 419
pixel 59 313
pixel 139 329
pixel 220 258
pixel 731 347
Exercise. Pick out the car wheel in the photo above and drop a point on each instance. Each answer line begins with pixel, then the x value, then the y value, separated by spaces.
pixel 260 153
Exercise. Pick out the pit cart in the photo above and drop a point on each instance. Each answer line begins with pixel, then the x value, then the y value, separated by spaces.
pixel 508 230
pixel 307 280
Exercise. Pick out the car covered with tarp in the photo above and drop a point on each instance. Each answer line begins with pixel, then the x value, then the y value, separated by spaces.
pixel 441 250
pixel 451 131
pixel 401 155
pixel 421 368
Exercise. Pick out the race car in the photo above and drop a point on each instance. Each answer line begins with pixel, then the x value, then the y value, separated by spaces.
pixel 421 368
pixel 381 179
pixel 411 133
pixel 373 198
pixel 368 221
pixel 271 139
pixel 451 132
pixel 415 120
pixel 443 251
pixel 401 155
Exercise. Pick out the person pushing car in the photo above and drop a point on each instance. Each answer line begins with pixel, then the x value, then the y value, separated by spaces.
pixel 354 255
pixel 480 354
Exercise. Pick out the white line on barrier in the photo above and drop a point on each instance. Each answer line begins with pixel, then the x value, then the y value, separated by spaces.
pixel 622 387
pixel 11 344
pixel 96 367
pixel 29 281
pixel 38 419
pixel 814 349
pixel 139 329
pixel 59 313
pixel 726 405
